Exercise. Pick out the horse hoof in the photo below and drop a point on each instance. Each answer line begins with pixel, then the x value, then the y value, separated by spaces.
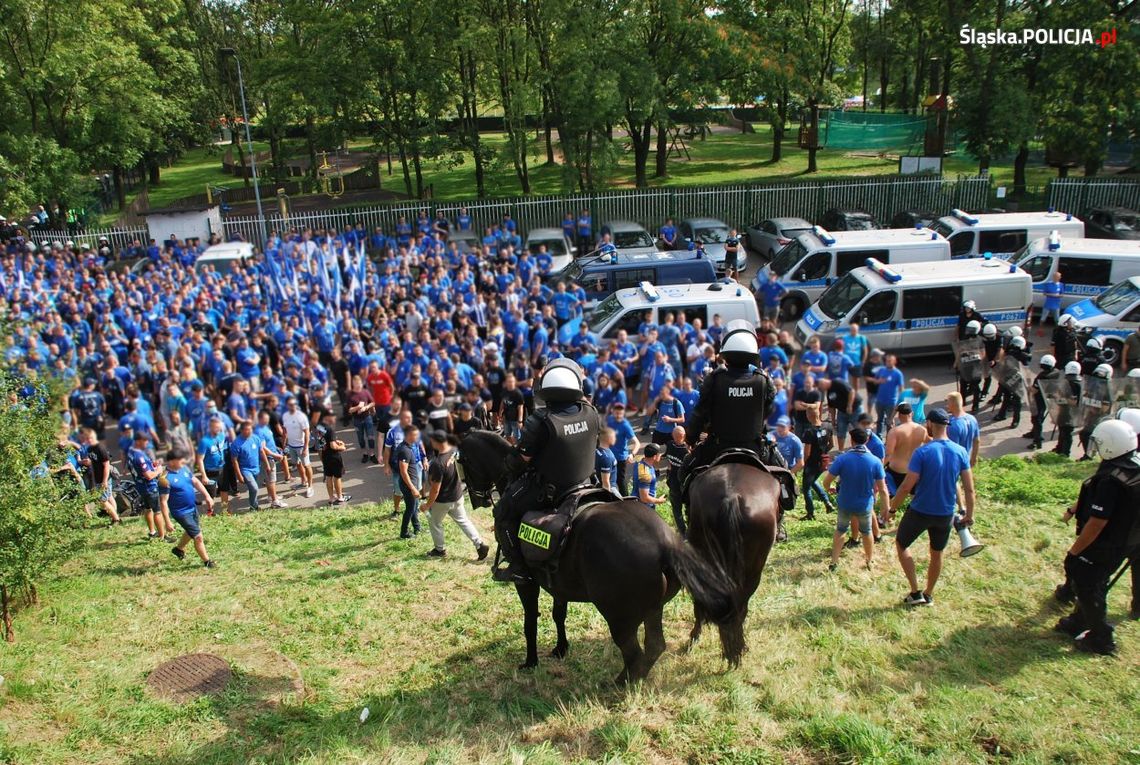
pixel 528 665
pixel 560 651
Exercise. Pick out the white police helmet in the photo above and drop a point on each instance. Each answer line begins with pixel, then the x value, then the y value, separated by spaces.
pixel 1014 331
pixel 973 327
pixel 1048 361
pixel 1112 439
pixel 739 345
pixel 1067 320
pixel 1134 372
pixel 989 331
pixel 1017 342
pixel 560 381
pixel 1103 370
pixel 1094 343
pixel 1073 368
pixel 970 305
pixel 1130 416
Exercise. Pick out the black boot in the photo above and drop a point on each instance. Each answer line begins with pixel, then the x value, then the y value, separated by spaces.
pixel 516 570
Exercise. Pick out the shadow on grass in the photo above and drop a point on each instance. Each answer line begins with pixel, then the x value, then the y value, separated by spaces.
pixel 471 698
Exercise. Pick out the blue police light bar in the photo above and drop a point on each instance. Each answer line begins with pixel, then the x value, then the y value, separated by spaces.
pixel 966 218
pixel 651 293
pixel 1013 268
pixel 823 236
pixel 987 256
pixel 881 269
pixel 1054 241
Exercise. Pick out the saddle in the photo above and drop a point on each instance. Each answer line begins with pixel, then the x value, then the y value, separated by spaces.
pixel 543 532
pixel 739 456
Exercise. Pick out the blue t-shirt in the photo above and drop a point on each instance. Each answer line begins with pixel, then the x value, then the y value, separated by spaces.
pixel 178 486
pixel 604 461
pixel 213 451
pixel 791 447
pixel 772 292
pixel 963 430
pixel 672 408
pixel 853 347
pixel 938 464
pixel 814 359
pixel 888 392
pixel 247 452
pixel 141 463
pixel 876 446
pixel 646 479
pixel 623 434
pixel 1053 291
pixel 857 470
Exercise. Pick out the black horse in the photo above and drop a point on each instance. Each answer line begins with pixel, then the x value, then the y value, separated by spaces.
pixel 733 510
pixel 620 556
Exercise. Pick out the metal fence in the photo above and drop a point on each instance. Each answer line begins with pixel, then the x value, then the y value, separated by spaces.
pixel 119 237
pixel 740 205
pixel 1077 195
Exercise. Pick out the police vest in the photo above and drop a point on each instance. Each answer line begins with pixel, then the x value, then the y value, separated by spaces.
pixel 1129 479
pixel 567 459
pixel 740 402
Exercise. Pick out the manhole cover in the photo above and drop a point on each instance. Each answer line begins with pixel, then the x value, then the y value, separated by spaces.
pixel 186 677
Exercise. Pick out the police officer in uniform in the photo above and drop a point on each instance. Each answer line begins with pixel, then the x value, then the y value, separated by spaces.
pixel 557 444
pixel 1065 431
pixel 1106 513
pixel 968 314
pixel 1014 385
pixel 1048 372
pixel 1064 341
pixel 1092 357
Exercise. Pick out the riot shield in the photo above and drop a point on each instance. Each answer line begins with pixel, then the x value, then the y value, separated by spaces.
pixel 971 359
pixel 1061 402
pixel 1096 401
pixel 1127 394
pixel 1012 376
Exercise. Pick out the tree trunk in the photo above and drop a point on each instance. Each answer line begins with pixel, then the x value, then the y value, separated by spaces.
pixel 813 136
pixel 311 145
pixel 984 164
pixel 241 156
pixel 662 150
pixel 419 169
pixel 1063 171
pixel 404 167
pixel 1019 163
pixel 9 635
pixel 780 127
pixel 547 128
pixel 154 171
pixel 639 137
pixel 120 186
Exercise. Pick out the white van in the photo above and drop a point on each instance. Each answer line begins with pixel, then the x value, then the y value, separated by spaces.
pixel 1088 266
pixel 815 260
pixel 913 308
pixel 1111 316
pixel 625 309
pixel 1002 234
pixel 223 258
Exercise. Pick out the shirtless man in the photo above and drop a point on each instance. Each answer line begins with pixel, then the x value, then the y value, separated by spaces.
pixel 902 440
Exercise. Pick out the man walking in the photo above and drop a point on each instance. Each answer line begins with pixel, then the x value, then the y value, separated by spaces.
pixel 445 497
pixel 861 479
pixel 177 491
pixel 676 452
pixel 933 474
pixel 297 435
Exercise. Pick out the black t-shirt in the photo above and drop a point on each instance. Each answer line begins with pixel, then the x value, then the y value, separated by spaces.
pixel 340 373
pixel 819 438
pixel 463 427
pixel 813 396
pixel 416 397
pixel 839 394
pixel 675 453
pixel 442 470
pixel 274 425
pixel 99 459
pixel 324 436
pixel 512 400
pixel 1109 501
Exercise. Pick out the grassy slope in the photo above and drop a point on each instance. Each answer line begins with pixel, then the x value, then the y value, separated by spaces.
pixel 837 672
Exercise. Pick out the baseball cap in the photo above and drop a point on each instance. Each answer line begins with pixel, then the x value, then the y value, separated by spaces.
pixel 617 405
pixel 439 436
pixel 938 416
pixel 465 407
pixel 652 450
pixel 785 421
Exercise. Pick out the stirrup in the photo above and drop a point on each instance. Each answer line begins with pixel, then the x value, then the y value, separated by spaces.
pixel 511 574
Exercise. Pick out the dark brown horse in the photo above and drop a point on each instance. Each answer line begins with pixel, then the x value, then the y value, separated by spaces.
pixel 619 555
pixel 733 509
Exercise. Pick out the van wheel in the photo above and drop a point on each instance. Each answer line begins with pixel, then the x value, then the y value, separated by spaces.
pixel 1112 352
pixel 791 309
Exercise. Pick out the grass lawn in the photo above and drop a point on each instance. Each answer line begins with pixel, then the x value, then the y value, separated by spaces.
pixel 838 671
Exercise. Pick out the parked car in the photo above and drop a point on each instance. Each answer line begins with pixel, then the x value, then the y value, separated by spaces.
pixel 1111 316
pixel 913 218
pixel 1112 223
pixel 712 234
pixel 770 236
pixel 557 245
pixel 848 219
pixel 629 237
pixel 128 265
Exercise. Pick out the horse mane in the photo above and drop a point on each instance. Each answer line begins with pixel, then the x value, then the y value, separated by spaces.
pixel 492 439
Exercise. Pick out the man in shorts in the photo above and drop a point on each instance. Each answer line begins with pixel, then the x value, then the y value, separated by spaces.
pixel 933 474
pixel 861 479
pixel 902 440
pixel 177 491
pixel 332 459
pixel 296 425
pixel 99 466
pixel 146 475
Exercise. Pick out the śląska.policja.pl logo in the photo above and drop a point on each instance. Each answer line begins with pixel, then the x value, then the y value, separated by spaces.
pixel 967 35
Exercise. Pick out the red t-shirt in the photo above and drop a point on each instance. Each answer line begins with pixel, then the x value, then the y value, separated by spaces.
pixel 382 388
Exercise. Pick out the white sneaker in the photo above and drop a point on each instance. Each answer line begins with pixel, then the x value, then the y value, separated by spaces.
pixel 277 503
pixel 308 491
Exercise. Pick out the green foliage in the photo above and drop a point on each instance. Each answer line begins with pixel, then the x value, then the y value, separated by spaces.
pixel 1045 480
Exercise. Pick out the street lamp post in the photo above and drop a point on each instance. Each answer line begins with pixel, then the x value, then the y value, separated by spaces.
pixel 249 141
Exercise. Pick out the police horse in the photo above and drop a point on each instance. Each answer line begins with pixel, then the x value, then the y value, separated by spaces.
pixel 618 555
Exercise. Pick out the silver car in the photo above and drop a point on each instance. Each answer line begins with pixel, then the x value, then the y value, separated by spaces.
pixel 712 234
pixel 557 246
pixel 770 236
pixel 629 237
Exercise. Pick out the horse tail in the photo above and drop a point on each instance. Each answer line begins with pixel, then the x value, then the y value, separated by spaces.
pixel 711 589
pixel 728 539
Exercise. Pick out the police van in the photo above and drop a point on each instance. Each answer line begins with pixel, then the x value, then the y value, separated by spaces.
pixel 625 309
pixel 600 275
pixel 1088 266
pixel 913 308
pixel 1002 234
pixel 816 259
pixel 1111 316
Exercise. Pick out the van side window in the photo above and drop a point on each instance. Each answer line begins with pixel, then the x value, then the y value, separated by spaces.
pixel 1001 241
pixel 692 312
pixel 931 302
pixel 845 261
pixel 1039 267
pixel 1133 316
pixel 961 244
pixel 879 308
pixel 633 277
pixel 1095 271
pixel 629 321
pixel 815 267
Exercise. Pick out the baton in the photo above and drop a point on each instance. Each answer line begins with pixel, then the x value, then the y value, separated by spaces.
pixel 1120 573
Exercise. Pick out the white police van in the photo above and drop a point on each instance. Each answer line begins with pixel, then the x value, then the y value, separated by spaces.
pixel 1110 316
pixel 913 308
pixel 625 309
pixel 1088 266
pixel 813 261
pixel 1002 234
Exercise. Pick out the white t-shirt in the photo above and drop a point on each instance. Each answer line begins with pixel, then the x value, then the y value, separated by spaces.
pixel 296 424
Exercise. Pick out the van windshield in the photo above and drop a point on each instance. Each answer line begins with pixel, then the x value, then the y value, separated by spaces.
pixel 602 312
pixel 942 228
pixel 838 299
pixel 787 258
pixel 1118 298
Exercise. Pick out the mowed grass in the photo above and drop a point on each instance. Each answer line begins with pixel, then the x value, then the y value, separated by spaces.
pixel 837 672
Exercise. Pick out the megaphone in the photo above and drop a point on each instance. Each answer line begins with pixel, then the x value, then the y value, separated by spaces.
pixel 970 545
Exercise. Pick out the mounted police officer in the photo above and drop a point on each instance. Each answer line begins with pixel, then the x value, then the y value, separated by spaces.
pixel 558 443
pixel 1108 533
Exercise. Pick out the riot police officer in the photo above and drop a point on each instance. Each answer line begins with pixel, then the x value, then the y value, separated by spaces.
pixel 992 345
pixel 1096 404
pixel 558 443
pixel 969 363
pixel 1092 356
pixel 1012 381
pixel 1106 513
pixel 1048 372
pixel 1064 341
pixel 1068 405
pixel 968 314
